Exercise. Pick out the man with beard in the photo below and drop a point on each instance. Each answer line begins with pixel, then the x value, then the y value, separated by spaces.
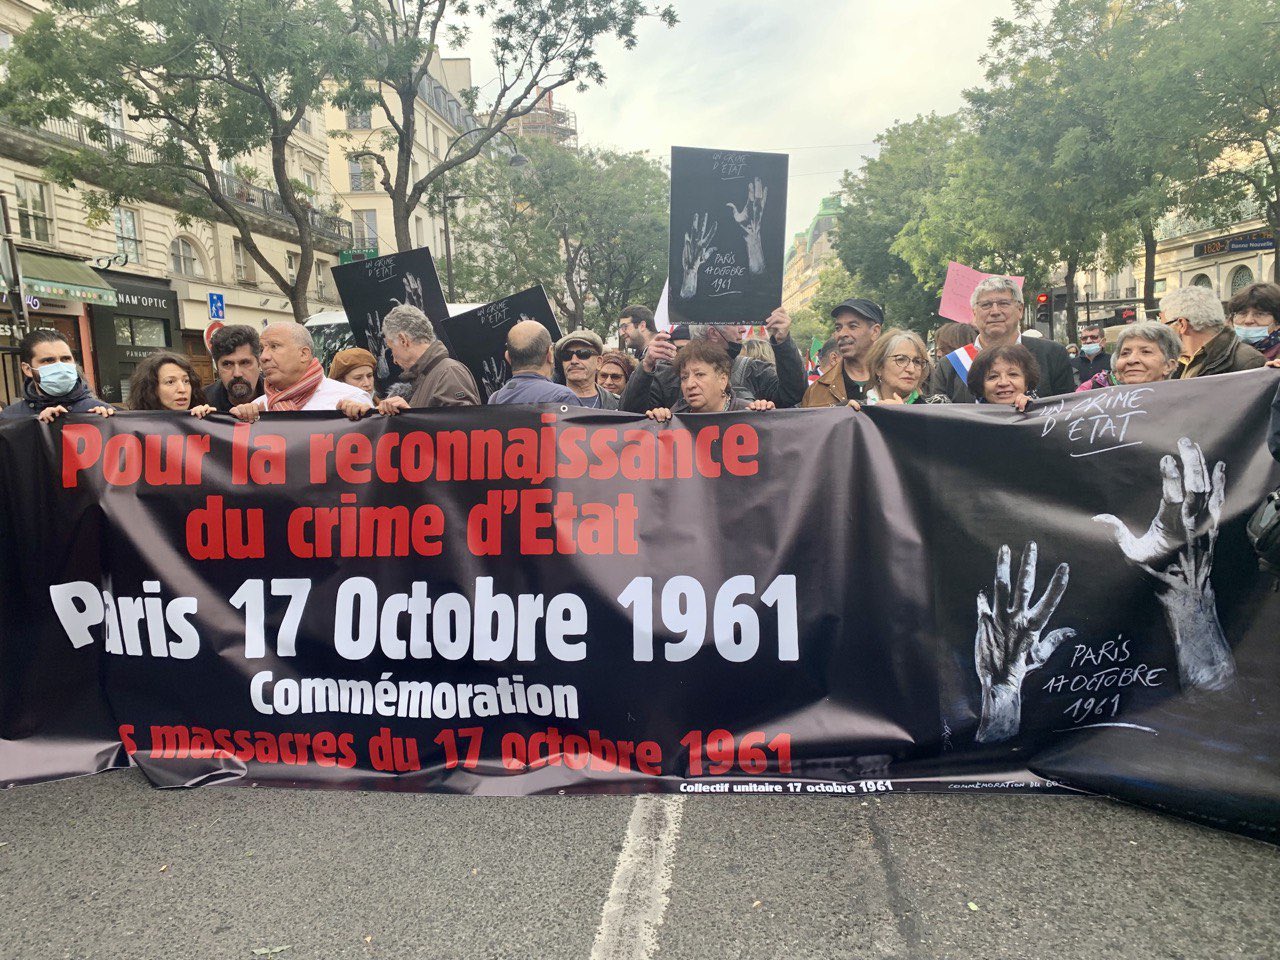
pixel 858 322
pixel 578 354
pixel 235 351
pixel 52 384
pixel 636 328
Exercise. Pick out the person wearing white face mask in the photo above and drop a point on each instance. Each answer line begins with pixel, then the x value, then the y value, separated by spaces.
pixel 53 383
pixel 1093 358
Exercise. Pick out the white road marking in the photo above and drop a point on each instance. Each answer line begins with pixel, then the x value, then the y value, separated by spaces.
pixel 638 895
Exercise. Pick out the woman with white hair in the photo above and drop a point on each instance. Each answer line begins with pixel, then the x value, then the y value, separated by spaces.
pixel 1145 352
pixel 1209 346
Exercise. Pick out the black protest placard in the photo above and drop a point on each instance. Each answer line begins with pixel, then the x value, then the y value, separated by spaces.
pixel 728 232
pixel 478 338
pixel 370 288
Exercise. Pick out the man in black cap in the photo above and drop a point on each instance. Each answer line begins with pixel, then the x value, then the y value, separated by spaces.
pixel 858 322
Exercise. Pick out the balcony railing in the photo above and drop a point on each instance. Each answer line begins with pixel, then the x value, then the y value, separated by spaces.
pixel 243 194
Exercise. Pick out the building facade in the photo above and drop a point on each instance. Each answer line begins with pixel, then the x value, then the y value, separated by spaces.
pixel 138 280
pixel 810 250
pixel 442 119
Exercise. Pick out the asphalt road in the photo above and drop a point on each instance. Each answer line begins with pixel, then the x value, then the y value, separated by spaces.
pixel 106 867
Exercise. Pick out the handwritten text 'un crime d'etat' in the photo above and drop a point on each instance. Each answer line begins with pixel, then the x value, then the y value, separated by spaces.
pixel 547 522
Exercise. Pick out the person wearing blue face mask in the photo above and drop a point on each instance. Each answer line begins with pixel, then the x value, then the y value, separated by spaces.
pixel 1255 311
pixel 53 383
pixel 1093 357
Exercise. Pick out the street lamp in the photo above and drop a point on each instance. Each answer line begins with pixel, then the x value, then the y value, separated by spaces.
pixel 515 161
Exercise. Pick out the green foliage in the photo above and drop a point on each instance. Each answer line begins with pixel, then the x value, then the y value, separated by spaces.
pixel 536 46
pixel 204 81
pixel 814 319
pixel 590 226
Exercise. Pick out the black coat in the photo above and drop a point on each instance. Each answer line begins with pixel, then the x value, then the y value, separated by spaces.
pixel 1273 441
pixel 1056 373
pixel 785 386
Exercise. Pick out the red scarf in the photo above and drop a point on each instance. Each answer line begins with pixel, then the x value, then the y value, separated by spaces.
pixel 296 397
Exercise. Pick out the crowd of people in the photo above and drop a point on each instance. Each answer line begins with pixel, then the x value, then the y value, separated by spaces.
pixel 687 369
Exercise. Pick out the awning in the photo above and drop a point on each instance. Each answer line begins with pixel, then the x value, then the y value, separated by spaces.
pixel 62 279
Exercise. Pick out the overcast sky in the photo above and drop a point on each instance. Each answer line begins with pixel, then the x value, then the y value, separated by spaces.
pixel 817 79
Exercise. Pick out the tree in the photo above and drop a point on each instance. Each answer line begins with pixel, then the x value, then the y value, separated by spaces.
pixel 1202 58
pixel 814 318
pixel 880 201
pixel 209 80
pixel 590 225
pixel 538 47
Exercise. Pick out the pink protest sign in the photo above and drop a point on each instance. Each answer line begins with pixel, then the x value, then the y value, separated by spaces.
pixel 958 288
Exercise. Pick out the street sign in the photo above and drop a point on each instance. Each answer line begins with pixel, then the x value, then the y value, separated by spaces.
pixel 217 307
pixel 357 254
pixel 209 331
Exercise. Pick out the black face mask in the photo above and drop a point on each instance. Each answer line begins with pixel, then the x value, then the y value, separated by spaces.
pixel 240 390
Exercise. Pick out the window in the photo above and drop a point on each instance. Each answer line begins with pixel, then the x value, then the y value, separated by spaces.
pixel 362 175
pixel 309 179
pixel 304 124
pixel 184 259
pixel 1241 277
pixel 34 222
pixel 6 41
pixel 243 263
pixel 291 266
pixel 140 332
pixel 359 120
pixel 1162 284
pixel 126 223
pixel 322 279
pixel 435 140
pixel 1202 280
pixel 419 233
pixel 365 227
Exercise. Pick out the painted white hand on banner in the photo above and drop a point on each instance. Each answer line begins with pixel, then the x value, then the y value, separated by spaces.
pixel 1009 644
pixel 1176 551
pixel 749 218
pixel 696 253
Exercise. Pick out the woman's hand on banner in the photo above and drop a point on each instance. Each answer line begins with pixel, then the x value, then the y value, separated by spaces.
pixel 354 409
pixel 393 405
pixel 659 414
pixel 203 410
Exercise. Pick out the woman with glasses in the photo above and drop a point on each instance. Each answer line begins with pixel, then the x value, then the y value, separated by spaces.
pixel 898 363
pixel 1007 374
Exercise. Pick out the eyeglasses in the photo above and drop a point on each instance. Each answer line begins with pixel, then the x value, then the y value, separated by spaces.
pixel 583 354
pixel 903 361
pixel 988 304
pixel 1170 323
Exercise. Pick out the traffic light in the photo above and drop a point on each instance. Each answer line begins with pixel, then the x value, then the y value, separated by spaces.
pixel 1044 309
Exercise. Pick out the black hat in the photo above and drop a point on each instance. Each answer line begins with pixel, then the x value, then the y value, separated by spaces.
pixel 864 308
pixel 680 331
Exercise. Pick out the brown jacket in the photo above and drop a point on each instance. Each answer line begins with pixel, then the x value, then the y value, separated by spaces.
pixel 828 390
pixel 440 381
pixel 1225 353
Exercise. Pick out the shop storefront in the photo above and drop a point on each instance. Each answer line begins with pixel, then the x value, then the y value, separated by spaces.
pixel 144 319
pixel 59 293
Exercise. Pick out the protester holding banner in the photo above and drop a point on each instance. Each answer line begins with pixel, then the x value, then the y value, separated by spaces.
pixel 53 384
pixel 529 352
pixel 354 367
pixel 1145 352
pixel 705 370
pixel 655 383
pixel 997 314
pixel 235 350
pixel 898 365
pixel 616 368
pixel 578 354
pixel 1209 347
pixel 1255 311
pixel 858 322
pixel 433 378
pixel 295 379
pixel 1007 374
pixel 167 381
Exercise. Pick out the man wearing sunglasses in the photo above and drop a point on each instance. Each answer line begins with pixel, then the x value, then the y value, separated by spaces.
pixel 578 356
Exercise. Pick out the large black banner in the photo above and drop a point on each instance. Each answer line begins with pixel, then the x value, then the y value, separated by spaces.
pixel 524 600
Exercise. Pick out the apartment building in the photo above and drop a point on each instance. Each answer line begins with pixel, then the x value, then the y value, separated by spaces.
pixel 139 280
